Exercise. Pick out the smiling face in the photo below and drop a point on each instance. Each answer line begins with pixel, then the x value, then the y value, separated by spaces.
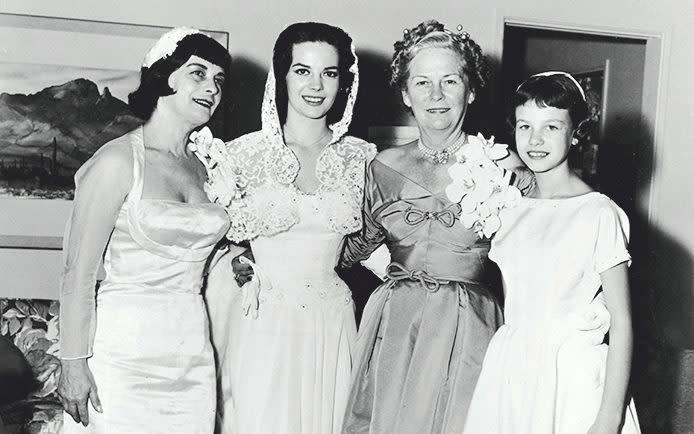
pixel 313 80
pixel 437 91
pixel 543 136
pixel 197 89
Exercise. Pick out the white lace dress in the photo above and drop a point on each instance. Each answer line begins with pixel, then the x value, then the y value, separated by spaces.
pixel 288 371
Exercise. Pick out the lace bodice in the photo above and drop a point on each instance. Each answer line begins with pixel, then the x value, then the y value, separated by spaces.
pixel 268 203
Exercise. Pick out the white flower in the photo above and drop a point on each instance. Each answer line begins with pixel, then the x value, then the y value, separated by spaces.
pixel 480 186
pixel 224 182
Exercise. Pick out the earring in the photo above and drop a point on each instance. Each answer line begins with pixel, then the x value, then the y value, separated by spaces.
pixel 574 141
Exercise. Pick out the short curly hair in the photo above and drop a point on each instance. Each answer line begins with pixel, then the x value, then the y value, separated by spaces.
pixel 432 34
pixel 298 33
pixel 154 81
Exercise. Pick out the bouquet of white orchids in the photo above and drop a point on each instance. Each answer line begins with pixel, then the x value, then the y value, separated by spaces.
pixel 480 186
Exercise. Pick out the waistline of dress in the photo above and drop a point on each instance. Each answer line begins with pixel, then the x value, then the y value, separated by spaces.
pixel 305 293
pixel 395 272
pixel 115 289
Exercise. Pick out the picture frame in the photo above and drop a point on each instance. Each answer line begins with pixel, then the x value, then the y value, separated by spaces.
pixel 595 83
pixel 31 227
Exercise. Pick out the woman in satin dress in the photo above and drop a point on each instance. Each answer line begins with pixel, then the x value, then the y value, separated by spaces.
pixel 424 332
pixel 139 348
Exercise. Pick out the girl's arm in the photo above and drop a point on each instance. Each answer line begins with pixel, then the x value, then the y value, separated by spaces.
pixel 615 286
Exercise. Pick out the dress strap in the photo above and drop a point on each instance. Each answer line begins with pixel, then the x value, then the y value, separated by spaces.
pixel 138 145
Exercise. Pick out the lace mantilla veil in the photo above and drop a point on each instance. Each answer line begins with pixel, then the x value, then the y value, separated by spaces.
pixel 272 129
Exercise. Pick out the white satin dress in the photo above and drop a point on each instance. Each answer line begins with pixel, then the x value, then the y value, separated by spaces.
pixel 152 358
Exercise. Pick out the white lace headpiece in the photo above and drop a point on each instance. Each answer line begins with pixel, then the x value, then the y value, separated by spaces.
pixel 271 122
pixel 167 44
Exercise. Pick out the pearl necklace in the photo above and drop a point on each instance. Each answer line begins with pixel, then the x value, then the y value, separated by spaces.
pixel 442 156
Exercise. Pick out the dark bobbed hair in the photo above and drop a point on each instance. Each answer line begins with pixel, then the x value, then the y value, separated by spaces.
pixel 556 90
pixel 154 81
pixel 432 34
pixel 312 32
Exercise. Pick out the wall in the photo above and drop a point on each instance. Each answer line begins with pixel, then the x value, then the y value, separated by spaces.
pixel 253 26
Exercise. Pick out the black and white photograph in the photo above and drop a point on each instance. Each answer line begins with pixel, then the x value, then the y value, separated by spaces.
pixel 226 217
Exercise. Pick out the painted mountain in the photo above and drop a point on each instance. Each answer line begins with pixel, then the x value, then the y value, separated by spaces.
pixel 46 136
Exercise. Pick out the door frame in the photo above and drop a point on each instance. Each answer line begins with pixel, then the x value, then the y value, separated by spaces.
pixel 654 82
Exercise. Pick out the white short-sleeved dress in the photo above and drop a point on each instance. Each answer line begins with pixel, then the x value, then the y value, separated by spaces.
pixel 541 374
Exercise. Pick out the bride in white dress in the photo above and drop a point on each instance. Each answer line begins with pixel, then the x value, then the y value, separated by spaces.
pixel 286 356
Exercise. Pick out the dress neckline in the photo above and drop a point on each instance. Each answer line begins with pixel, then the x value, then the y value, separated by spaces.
pixel 134 199
pixel 178 202
pixel 407 178
pixel 577 198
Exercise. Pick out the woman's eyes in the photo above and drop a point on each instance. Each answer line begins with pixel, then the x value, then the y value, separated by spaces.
pixel 199 73
pixel 329 74
pixel 219 81
pixel 447 82
pixel 549 128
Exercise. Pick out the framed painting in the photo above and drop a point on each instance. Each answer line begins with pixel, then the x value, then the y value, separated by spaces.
pixel 64 90
pixel 584 160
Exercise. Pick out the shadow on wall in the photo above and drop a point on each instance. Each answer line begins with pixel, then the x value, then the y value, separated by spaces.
pixel 377 103
pixel 661 285
pixel 247 88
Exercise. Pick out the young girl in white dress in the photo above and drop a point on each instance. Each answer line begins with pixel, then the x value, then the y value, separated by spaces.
pixel 560 248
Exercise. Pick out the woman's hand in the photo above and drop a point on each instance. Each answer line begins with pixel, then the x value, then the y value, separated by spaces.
pixel 75 388
pixel 242 272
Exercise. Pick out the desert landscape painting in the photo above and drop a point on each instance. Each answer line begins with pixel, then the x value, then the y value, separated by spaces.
pixel 52 119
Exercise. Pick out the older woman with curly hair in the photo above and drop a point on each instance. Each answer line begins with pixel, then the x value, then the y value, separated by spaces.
pixel 425 330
